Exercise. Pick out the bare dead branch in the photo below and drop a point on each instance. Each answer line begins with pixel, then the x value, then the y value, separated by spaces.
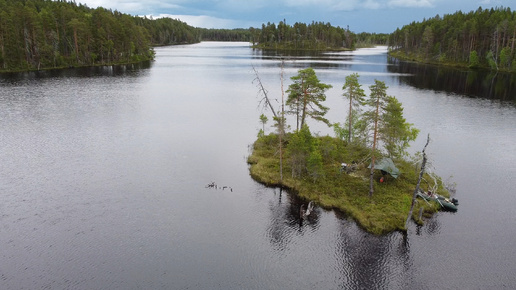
pixel 264 92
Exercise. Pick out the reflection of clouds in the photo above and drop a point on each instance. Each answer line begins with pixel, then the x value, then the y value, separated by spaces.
pixel 360 260
pixel 378 50
pixel 372 262
pixel 296 60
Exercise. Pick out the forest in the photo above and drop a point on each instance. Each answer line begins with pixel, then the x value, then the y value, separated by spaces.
pixel 481 38
pixel 301 36
pixel 238 34
pixel 41 34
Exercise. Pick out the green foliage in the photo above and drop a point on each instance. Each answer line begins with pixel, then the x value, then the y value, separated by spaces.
pixel 394 132
pixel 166 31
pixel 238 34
pixel 315 162
pixel 376 101
pixel 57 34
pixel 328 149
pixel 263 120
pixel 505 58
pixel 280 123
pixel 340 132
pixel 298 150
pixel 491 60
pixel 474 62
pixel 305 97
pixel 356 96
pixel 300 36
pixel 486 32
pixel 366 39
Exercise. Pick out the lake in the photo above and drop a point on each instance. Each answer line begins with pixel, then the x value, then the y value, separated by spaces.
pixel 104 173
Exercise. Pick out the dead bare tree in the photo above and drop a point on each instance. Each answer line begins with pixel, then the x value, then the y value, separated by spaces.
pixel 265 99
pixel 414 196
pixel 280 120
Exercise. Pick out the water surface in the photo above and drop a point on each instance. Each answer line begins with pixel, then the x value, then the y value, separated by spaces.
pixel 103 175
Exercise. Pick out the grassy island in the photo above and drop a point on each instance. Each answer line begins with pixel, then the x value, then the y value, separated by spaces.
pixel 311 166
pixel 384 212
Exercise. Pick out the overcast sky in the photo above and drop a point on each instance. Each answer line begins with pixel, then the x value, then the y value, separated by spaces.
pixel 381 16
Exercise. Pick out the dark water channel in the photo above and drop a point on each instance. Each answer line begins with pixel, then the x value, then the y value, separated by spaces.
pixel 103 174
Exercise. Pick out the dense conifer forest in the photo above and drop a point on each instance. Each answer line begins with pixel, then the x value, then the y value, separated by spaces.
pixel 481 38
pixel 238 34
pixel 301 36
pixel 40 34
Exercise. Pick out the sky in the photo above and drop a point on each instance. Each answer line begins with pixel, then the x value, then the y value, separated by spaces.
pixel 378 16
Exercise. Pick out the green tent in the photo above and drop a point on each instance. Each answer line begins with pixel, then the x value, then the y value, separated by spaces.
pixel 388 166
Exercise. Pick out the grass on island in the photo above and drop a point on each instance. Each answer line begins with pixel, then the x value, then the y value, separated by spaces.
pixel 385 212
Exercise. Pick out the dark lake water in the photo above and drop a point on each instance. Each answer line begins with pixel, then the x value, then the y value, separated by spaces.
pixel 103 174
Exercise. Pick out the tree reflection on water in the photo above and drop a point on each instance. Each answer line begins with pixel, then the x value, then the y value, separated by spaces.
pixel 473 83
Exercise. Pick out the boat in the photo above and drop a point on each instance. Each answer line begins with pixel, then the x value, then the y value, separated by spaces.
pixel 446 203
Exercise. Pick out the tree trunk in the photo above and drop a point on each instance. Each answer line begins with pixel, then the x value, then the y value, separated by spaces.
pixel 414 196
pixel 282 124
pixel 305 97
pixel 374 148
pixel 262 89
pixel 350 117
pixel 76 43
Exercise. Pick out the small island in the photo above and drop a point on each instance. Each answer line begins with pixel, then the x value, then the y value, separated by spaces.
pixel 336 172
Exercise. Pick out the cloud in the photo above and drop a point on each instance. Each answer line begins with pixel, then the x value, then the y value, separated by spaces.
pixel 344 5
pixel 321 4
pixel 411 3
pixel 371 4
pixel 133 6
pixel 248 5
pixel 491 2
pixel 206 21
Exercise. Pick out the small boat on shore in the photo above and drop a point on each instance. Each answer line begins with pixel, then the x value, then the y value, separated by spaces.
pixel 446 203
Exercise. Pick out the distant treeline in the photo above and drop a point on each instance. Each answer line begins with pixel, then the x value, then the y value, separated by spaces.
pixel 481 38
pixel 366 39
pixel 238 34
pixel 301 36
pixel 39 34
pixel 42 34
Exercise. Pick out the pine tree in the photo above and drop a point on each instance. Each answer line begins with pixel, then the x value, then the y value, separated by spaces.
pixel 377 99
pixel 355 94
pixel 305 97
